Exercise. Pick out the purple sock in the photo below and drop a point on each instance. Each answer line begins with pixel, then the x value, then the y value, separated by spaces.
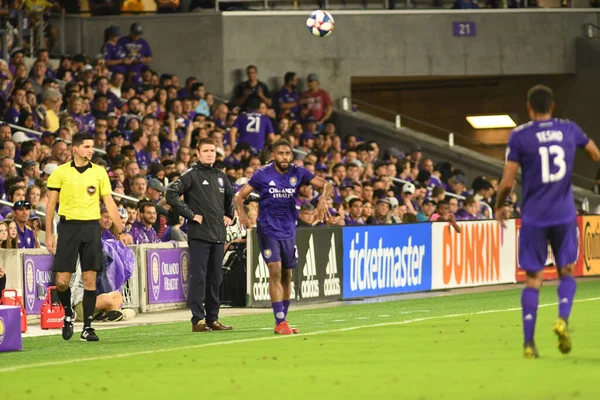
pixel 278 312
pixel 529 303
pixel 566 292
pixel 286 306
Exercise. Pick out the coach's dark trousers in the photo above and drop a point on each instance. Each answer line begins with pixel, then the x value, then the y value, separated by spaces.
pixel 206 260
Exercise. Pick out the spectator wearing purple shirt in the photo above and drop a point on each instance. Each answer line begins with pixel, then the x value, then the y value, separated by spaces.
pixel 115 57
pixel 354 217
pixel 19 102
pixel 254 128
pixel 136 49
pixel 142 230
pixel 289 99
pixel 27 239
pixel 469 210
pixel 140 141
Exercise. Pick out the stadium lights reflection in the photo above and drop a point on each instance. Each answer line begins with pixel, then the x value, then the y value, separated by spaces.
pixel 491 121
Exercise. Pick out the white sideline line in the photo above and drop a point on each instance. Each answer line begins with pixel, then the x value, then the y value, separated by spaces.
pixel 260 339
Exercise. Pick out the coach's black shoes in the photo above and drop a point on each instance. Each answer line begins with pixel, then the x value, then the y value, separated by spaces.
pixel 67 330
pixel 89 335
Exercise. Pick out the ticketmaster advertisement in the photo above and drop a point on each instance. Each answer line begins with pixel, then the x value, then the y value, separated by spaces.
pixel 386 259
pixel 317 276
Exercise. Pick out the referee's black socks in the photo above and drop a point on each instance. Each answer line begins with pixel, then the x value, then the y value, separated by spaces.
pixel 65 300
pixel 89 305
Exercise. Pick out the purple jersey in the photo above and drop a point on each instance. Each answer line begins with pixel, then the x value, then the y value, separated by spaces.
pixel 277 214
pixel 545 150
pixel 135 50
pixel 114 52
pixel 143 235
pixel 253 128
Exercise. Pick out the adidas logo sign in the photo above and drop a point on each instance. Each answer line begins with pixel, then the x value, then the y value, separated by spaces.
pixel 310 287
pixel 331 286
pixel 260 289
pixel 205 182
pixel 528 317
pixel 272 183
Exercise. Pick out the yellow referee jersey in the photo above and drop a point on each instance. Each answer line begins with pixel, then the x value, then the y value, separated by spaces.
pixel 80 190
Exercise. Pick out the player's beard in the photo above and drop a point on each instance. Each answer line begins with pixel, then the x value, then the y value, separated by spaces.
pixel 281 167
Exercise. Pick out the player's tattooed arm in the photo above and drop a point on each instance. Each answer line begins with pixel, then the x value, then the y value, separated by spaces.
pixel 238 202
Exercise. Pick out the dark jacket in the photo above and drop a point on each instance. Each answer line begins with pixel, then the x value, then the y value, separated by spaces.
pixel 206 191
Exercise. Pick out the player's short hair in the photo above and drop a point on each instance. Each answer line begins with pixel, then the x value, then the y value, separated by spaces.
pixel 253 104
pixel 280 142
pixel 79 138
pixel 206 140
pixel 540 98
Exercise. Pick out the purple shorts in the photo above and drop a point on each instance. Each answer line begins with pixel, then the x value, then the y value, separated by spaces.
pixel 533 245
pixel 275 250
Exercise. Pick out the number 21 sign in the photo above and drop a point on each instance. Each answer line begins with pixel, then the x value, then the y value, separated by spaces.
pixel 464 29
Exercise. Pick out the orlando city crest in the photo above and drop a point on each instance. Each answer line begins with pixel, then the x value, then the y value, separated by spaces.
pixel 155 275
pixel 184 270
pixel 29 282
pixel 293 181
pixel 220 181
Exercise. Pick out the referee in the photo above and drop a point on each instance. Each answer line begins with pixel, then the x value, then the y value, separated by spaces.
pixel 208 206
pixel 80 185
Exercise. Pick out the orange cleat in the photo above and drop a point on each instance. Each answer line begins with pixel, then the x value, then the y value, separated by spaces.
pixel 295 330
pixel 283 329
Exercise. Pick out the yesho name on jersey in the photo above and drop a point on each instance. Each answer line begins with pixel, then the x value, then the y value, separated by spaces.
pixel 282 193
pixel 549 136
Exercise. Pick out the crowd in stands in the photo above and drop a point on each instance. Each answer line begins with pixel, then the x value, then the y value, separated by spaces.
pixel 146 125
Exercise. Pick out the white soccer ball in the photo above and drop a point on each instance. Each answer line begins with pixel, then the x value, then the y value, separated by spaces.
pixel 320 23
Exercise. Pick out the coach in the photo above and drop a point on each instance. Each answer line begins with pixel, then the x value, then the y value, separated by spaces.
pixel 208 206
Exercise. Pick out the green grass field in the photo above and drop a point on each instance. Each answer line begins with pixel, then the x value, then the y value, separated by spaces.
pixel 450 347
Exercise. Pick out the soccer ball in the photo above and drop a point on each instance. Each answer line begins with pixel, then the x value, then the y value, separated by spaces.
pixel 320 23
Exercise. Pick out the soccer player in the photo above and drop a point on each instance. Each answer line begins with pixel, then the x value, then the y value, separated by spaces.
pixel 545 149
pixel 254 128
pixel 81 185
pixel 277 184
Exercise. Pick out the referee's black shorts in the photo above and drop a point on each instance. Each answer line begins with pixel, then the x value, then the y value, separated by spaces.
pixel 78 238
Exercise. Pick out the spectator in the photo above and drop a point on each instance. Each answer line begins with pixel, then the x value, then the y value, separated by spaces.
pixel 443 214
pixel 136 49
pixel 142 230
pixel 139 186
pixel 7 170
pixel 318 102
pixel 15 193
pixel 381 213
pixel 427 209
pixel 290 101
pixel 13 241
pixel 354 217
pixel 31 171
pixel 453 205
pixel 173 231
pixel 46 113
pixel 251 89
pixel 3 234
pixel 18 104
pixel 27 238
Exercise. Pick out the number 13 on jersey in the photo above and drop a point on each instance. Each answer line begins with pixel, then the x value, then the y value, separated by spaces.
pixel 556 154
